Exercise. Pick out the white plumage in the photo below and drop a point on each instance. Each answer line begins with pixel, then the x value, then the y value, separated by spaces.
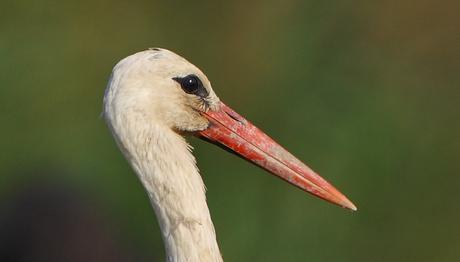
pixel 144 108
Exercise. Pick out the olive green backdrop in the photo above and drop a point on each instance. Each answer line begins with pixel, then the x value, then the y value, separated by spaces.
pixel 367 93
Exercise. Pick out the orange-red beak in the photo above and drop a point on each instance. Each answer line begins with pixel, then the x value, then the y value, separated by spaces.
pixel 233 131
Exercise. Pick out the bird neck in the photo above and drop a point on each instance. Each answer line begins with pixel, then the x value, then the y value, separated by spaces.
pixel 165 165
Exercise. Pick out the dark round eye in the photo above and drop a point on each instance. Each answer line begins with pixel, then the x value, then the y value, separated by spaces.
pixel 191 84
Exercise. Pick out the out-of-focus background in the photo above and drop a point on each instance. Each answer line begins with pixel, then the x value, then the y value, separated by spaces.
pixel 366 92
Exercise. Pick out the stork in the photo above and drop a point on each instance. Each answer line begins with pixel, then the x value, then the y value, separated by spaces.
pixel 152 100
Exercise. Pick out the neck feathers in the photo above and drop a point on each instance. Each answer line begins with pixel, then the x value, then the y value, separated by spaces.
pixel 163 161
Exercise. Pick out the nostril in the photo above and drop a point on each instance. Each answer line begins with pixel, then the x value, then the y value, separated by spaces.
pixel 236 117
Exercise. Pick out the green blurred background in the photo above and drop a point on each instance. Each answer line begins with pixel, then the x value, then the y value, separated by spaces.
pixel 365 92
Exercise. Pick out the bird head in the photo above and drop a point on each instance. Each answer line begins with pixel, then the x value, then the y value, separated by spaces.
pixel 161 87
pixel 164 87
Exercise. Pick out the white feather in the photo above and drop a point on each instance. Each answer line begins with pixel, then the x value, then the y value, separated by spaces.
pixel 143 107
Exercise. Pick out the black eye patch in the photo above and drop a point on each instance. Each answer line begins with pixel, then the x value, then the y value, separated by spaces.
pixel 191 84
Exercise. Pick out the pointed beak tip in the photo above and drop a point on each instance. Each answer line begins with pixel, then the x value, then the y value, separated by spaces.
pixel 349 205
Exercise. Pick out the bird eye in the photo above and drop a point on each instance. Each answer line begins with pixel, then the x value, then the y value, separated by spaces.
pixel 191 84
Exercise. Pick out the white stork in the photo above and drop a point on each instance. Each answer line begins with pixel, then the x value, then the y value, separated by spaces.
pixel 153 98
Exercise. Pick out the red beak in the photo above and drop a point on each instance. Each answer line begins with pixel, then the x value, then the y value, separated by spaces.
pixel 233 131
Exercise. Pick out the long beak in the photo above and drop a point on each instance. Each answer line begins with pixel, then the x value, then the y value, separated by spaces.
pixel 233 131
